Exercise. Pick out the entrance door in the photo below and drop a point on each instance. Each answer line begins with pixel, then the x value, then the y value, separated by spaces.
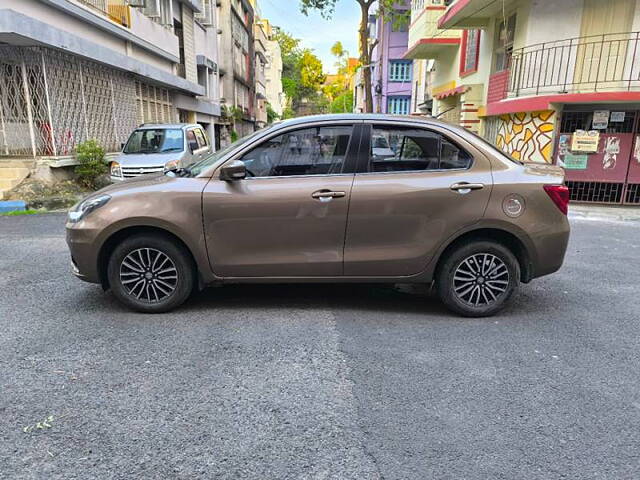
pixel 608 175
pixel 288 217
pixel 408 195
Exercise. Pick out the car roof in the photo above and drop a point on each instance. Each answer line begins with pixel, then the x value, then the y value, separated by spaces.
pixel 165 126
pixel 358 117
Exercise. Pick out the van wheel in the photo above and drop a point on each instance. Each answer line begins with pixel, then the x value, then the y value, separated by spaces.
pixel 478 278
pixel 151 273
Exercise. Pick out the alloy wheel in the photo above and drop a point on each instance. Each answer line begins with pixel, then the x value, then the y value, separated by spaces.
pixel 148 275
pixel 481 279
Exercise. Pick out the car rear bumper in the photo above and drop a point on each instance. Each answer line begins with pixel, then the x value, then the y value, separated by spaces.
pixel 551 250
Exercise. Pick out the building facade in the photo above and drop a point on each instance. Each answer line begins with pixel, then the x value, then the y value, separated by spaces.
pixel 273 75
pixel 237 61
pixel 72 70
pixel 546 81
pixel 392 73
pixel 260 48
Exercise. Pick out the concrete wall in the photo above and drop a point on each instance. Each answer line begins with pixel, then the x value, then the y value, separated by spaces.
pixel 157 34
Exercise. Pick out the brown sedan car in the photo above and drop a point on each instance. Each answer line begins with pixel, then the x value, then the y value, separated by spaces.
pixel 343 198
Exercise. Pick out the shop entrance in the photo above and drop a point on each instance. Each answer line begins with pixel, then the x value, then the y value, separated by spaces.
pixel 611 174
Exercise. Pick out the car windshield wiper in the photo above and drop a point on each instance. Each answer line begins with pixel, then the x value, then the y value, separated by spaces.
pixel 174 149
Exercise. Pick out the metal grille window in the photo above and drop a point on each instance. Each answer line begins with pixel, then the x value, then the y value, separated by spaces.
pixel 399 71
pixel 239 33
pixel 633 193
pixel 505 34
pixel 491 127
pixel 50 101
pixel 595 192
pixel 115 10
pixel 572 121
pixel 399 105
pixel 154 104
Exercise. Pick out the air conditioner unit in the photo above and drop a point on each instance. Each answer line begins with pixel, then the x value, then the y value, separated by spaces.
pixel 136 3
pixel 151 8
pixel 205 17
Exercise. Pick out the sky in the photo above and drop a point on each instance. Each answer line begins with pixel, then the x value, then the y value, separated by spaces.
pixel 315 32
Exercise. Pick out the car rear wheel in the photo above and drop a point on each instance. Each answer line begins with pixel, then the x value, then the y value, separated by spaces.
pixel 478 278
pixel 151 273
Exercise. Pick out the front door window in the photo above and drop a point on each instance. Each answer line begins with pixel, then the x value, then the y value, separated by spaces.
pixel 311 151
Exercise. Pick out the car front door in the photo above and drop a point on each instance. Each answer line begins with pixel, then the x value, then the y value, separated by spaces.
pixel 288 217
pixel 410 196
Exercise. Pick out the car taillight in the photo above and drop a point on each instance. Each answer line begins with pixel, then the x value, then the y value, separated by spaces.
pixel 560 196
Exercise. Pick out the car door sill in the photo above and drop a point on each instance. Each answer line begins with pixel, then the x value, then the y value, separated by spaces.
pixel 417 278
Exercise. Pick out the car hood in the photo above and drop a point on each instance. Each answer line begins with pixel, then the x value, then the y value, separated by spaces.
pixel 147 160
pixel 142 181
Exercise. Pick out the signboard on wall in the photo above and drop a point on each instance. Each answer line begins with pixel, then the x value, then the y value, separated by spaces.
pixel 585 142
pixel 575 162
pixel 600 120
pixel 617 117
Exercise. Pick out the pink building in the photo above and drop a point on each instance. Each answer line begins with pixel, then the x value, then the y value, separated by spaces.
pixel 392 74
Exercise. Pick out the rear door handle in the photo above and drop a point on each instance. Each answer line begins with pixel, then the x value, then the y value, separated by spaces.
pixel 464 187
pixel 326 195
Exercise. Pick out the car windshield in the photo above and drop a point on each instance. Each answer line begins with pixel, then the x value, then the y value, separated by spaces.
pixel 159 140
pixel 206 162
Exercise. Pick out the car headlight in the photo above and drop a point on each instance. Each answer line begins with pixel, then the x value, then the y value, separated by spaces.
pixel 82 209
pixel 116 171
pixel 172 165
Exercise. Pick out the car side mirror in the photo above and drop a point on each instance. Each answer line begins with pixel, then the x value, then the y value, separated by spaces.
pixel 122 146
pixel 235 170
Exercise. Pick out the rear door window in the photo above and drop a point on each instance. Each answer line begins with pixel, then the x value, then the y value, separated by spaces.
pixel 407 149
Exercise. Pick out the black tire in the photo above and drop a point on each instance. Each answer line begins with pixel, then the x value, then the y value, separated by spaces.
pixel 486 296
pixel 151 297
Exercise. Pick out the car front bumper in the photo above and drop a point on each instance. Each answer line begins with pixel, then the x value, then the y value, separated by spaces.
pixel 84 254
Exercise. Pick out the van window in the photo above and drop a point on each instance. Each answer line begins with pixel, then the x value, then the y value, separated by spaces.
pixel 202 138
pixel 155 141
pixel 192 140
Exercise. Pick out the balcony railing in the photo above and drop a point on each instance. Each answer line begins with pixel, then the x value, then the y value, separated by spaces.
pixel 116 10
pixel 598 63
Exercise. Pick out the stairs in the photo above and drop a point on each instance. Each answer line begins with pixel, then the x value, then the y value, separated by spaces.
pixel 12 172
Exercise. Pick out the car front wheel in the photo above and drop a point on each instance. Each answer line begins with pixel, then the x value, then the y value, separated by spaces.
pixel 151 273
pixel 477 279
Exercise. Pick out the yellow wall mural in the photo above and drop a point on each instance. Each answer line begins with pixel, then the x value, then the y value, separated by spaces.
pixel 527 136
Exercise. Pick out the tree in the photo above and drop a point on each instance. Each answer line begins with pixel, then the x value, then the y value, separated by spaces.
pixel 342 103
pixel 311 75
pixel 272 116
pixel 385 8
pixel 302 75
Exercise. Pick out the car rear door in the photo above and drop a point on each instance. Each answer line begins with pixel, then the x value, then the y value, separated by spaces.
pixel 288 217
pixel 404 204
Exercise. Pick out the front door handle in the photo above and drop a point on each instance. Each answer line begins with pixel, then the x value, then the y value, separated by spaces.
pixel 464 187
pixel 326 195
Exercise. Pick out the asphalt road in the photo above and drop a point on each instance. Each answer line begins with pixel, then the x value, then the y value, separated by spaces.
pixel 318 382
